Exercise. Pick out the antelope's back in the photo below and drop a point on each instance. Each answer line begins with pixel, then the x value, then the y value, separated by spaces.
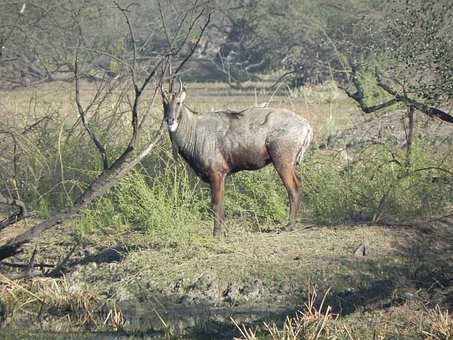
pixel 269 120
pixel 251 127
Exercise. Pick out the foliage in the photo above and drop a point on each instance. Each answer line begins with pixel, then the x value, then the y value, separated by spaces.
pixel 377 186
pixel 416 39
pixel 167 204
pixel 310 40
pixel 43 167
pixel 257 195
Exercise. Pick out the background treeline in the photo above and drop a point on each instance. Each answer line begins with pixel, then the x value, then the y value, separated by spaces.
pixel 307 41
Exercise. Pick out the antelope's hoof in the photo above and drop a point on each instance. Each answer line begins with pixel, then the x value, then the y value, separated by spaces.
pixel 289 227
pixel 217 233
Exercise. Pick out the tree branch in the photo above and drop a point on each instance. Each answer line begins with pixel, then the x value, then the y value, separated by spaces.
pixel 83 112
pixel 358 96
pixel 106 180
pixel 197 42
pixel 430 111
pixel 112 173
pixel 132 36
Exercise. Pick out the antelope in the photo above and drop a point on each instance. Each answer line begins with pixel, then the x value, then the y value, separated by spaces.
pixel 219 143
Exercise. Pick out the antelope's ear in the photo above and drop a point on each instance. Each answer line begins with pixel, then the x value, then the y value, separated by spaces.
pixel 182 94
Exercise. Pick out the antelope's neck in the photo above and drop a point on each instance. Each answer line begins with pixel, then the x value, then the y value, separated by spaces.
pixel 184 136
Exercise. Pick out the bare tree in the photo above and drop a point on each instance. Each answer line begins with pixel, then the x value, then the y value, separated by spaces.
pixel 140 76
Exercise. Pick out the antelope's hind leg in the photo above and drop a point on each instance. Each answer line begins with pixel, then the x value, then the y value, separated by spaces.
pixel 217 182
pixel 284 160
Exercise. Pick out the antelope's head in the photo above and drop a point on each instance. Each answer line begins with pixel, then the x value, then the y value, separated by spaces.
pixel 172 102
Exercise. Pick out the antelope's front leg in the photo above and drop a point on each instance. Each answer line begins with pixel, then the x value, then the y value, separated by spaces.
pixel 217 192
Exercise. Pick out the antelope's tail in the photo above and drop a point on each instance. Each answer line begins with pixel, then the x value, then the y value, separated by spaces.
pixel 306 143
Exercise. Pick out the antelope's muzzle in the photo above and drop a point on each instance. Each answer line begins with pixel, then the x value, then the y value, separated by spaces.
pixel 172 124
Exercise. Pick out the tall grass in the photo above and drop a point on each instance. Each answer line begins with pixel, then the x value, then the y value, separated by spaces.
pixel 164 197
pixel 167 204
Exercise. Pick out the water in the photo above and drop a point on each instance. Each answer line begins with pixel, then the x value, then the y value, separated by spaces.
pixel 166 318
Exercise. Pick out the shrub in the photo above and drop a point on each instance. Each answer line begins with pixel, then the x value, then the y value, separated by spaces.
pixel 259 195
pixel 167 204
pixel 379 184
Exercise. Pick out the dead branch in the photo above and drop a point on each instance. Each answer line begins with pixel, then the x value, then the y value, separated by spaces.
pixel 31 263
pixel 197 42
pixel 164 27
pixel 29 128
pixel 359 98
pixel 28 269
pixel 27 265
pixel 359 95
pixel 13 246
pixel 14 218
pixel 124 12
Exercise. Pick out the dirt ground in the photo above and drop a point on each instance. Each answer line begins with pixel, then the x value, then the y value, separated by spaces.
pixel 253 276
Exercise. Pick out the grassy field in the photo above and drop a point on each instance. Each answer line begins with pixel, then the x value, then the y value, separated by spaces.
pixel 141 260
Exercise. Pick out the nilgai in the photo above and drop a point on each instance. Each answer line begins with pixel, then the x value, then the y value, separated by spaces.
pixel 219 143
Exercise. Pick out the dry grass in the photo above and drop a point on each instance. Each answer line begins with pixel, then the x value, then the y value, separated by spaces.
pixel 439 324
pixel 316 321
pixel 63 304
pixel 309 323
pixel 21 107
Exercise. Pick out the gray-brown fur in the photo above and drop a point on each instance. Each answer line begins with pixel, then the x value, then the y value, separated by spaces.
pixel 219 143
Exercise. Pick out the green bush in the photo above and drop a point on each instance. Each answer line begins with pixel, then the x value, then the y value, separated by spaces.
pixel 379 184
pixel 259 195
pixel 165 198
pixel 168 204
